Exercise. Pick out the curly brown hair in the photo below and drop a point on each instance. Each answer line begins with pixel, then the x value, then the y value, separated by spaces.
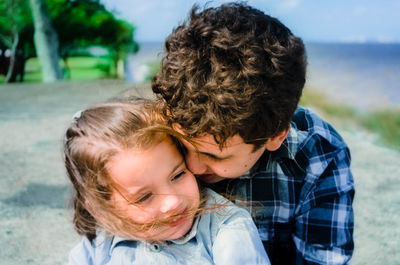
pixel 231 70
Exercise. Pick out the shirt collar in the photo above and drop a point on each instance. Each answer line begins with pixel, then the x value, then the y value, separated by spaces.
pixel 290 145
pixel 288 149
pixel 192 233
pixel 116 240
pixel 189 235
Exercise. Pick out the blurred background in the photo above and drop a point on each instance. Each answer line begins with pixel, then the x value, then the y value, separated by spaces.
pixel 59 56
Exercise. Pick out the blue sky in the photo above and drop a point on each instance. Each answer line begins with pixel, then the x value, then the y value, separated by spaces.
pixel 312 20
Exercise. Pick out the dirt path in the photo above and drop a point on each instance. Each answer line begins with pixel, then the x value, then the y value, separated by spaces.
pixel 35 228
pixel 376 171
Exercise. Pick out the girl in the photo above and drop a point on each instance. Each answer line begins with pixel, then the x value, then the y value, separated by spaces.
pixel 136 203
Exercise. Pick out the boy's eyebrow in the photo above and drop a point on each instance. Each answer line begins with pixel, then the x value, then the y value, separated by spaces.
pixel 214 156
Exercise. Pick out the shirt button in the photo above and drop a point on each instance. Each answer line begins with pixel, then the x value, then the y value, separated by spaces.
pixel 155 247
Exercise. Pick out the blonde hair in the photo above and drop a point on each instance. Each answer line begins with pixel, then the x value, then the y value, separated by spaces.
pixel 92 139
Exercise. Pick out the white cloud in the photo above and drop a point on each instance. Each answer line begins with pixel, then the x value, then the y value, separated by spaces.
pixel 355 38
pixel 281 6
pixel 386 39
pixel 365 39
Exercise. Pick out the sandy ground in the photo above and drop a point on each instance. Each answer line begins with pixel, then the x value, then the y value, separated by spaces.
pixel 35 225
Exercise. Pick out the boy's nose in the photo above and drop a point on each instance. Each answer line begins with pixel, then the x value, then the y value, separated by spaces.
pixel 194 163
pixel 170 203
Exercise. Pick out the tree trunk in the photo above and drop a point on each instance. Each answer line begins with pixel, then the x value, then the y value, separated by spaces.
pixel 46 42
pixel 115 59
pixel 22 71
pixel 12 69
pixel 66 68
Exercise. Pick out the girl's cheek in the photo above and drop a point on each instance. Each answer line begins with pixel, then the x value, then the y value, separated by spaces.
pixel 141 217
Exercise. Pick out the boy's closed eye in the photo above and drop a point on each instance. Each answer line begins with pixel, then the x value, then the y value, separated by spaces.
pixel 214 157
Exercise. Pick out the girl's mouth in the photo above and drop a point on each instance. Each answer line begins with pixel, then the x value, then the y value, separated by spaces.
pixel 179 221
pixel 182 217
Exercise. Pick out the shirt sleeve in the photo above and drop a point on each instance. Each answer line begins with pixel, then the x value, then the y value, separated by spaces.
pixel 238 242
pixel 324 225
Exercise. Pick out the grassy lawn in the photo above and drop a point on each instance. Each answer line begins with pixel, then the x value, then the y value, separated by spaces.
pixel 384 122
pixel 82 68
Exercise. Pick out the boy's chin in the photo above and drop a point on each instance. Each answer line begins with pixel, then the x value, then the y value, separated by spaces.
pixel 210 178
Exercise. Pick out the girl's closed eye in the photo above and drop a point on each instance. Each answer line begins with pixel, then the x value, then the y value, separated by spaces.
pixel 144 198
pixel 179 175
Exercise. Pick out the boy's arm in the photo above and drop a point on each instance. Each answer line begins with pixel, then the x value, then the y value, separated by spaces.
pixel 324 225
pixel 238 242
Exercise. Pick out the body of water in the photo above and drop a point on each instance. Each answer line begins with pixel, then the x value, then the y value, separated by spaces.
pixel 364 75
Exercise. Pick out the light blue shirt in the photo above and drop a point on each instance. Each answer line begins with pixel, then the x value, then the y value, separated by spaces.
pixel 225 236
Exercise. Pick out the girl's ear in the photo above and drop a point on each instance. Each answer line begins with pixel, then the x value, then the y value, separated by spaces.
pixel 275 142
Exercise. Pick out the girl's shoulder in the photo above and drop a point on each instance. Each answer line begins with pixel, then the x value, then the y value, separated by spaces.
pixel 213 197
pixel 91 251
pixel 220 205
pixel 99 250
pixel 222 212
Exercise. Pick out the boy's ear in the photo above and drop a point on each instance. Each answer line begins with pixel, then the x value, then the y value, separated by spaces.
pixel 177 127
pixel 275 142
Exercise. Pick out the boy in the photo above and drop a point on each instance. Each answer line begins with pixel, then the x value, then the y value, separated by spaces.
pixel 231 80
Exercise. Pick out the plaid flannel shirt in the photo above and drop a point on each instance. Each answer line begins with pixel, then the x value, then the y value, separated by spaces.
pixel 301 195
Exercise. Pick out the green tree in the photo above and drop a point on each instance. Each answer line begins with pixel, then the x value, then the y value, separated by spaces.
pixel 15 35
pixel 84 23
pixel 79 24
pixel 118 37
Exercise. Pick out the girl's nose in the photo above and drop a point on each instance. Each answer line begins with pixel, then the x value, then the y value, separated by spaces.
pixel 170 203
